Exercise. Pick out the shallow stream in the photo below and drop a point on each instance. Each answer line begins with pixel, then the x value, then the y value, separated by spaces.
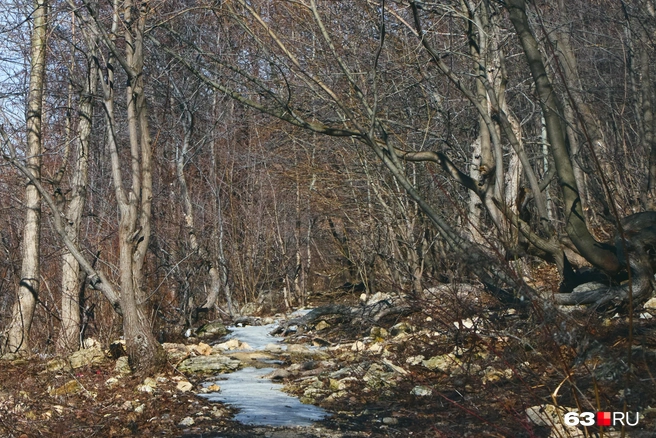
pixel 261 402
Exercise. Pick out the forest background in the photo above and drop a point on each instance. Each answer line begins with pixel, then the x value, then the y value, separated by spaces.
pixel 166 161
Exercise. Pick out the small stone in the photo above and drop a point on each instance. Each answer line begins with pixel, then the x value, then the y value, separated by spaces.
pixel 358 346
pixel 203 348
pixel 90 343
pixel 321 326
pixel 277 374
pixel 111 382
pixel 230 344
pixel 337 385
pixel 214 388
pixel 184 386
pixel 273 348
pixel 421 391
pixel 378 333
pixel 651 305
pixel 414 360
pixel 401 328
pixel 298 348
pixel 145 388
pixel 212 329
pixel 122 366
pixel 444 363
pixel 375 348
pixel 546 415
pixel 187 421
pixel 86 356
pixel 57 364
pixel 139 409
pixel 149 385
pixel 70 387
pixel 390 421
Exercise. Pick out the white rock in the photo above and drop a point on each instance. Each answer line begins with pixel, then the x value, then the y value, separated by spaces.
pixel 651 304
pixel 376 348
pixel 421 391
pixel 187 421
pixel 358 346
pixel 414 360
pixel 231 344
pixel 184 386
pixel 546 415
pixel 90 343
pixel 444 363
pixel 273 348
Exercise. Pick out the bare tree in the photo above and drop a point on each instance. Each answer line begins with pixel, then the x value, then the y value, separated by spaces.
pixel 28 288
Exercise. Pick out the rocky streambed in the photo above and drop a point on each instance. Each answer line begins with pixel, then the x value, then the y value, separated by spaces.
pixel 417 377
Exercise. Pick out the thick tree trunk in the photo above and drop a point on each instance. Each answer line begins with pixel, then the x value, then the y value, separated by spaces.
pixel 28 288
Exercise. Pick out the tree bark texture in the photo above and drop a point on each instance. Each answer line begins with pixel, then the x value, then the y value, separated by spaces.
pixel 28 288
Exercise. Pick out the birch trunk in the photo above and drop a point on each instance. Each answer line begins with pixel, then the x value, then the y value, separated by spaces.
pixel 28 288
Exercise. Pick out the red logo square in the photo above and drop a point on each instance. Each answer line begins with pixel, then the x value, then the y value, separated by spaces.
pixel 603 418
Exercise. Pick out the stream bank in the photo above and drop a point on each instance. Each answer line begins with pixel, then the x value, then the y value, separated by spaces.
pixel 427 375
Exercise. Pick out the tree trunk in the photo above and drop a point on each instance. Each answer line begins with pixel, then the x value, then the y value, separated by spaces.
pixel 28 288
pixel 69 335
pixel 601 256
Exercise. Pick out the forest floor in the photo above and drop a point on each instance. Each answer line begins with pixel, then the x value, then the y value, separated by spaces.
pixel 502 372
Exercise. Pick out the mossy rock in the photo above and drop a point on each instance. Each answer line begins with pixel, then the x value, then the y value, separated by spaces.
pixel 214 329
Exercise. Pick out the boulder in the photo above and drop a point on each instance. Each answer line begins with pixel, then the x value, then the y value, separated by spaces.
pixel 230 344
pixel 444 363
pixel 70 387
pixel 212 329
pixel 209 364
pixel 175 352
pixel 122 366
pixel 86 356
pixel 203 349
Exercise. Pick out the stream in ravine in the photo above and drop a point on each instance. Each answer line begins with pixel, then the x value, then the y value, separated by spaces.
pixel 260 401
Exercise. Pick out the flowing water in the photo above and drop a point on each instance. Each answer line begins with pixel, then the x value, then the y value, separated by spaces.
pixel 260 401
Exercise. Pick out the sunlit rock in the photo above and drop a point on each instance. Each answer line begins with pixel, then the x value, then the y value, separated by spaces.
pixel 212 329
pixel 86 356
pixel 421 391
pixel 209 364
pixel 203 349
pixel 148 386
pixel 651 305
pixel 122 366
pixel 68 388
pixel 414 360
pixel 184 386
pixel 187 421
pixel 445 363
pixel 230 344
pixel 175 352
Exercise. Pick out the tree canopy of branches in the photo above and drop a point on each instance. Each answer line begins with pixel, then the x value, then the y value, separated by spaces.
pixel 198 156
